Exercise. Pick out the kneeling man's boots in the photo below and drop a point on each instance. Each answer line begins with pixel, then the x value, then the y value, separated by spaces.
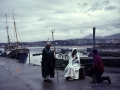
pixel 93 79
pixel 107 78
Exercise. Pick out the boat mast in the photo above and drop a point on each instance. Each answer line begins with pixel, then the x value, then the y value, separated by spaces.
pixel 7 31
pixel 15 28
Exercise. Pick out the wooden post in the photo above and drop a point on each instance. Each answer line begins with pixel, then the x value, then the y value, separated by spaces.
pixel 29 57
pixel 93 37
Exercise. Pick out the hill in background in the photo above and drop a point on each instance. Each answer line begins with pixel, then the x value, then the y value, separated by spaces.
pixel 114 36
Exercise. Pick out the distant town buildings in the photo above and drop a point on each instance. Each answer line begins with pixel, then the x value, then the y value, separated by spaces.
pixel 70 42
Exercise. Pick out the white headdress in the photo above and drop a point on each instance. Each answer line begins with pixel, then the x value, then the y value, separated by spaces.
pixel 48 43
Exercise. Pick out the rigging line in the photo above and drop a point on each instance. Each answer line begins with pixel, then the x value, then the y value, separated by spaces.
pixel 10 37
pixel 19 36
pixel 18 33
pixel 17 50
pixel 15 32
pixel 14 35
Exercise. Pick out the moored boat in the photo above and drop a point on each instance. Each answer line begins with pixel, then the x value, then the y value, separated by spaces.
pixel 13 50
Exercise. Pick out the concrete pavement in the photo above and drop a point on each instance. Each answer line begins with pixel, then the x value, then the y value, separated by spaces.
pixel 16 76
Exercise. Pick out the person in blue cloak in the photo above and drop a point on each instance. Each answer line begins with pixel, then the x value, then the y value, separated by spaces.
pixel 48 63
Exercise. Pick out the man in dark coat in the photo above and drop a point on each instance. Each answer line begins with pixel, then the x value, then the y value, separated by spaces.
pixel 48 63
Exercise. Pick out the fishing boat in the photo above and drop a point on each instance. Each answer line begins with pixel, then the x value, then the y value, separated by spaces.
pixel 14 50
pixel 65 51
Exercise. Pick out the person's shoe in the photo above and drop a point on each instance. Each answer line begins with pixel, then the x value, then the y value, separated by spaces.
pixel 70 79
pixel 67 78
pixel 47 80
pixel 109 80
pixel 92 82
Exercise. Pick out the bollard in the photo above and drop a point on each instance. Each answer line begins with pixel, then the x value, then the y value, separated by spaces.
pixel 29 57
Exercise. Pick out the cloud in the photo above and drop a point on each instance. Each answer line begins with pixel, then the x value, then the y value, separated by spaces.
pixel 117 25
pixel 96 6
pixel 70 19
pixel 60 11
pixel 106 2
pixel 110 8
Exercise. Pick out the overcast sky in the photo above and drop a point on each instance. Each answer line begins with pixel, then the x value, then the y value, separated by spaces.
pixel 70 18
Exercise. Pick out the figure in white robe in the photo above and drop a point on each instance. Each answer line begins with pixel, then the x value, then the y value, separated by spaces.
pixel 71 71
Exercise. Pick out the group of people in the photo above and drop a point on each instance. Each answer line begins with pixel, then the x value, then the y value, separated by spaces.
pixel 71 71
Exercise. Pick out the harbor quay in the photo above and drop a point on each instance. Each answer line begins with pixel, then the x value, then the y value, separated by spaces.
pixel 18 76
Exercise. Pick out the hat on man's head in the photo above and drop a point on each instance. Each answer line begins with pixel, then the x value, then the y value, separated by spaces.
pixel 94 51
pixel 48 43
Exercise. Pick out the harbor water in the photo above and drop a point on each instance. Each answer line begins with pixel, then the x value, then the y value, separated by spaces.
pixel 36 50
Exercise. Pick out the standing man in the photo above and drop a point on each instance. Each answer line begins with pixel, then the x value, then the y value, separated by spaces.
pixel 97 69
pixel 48 63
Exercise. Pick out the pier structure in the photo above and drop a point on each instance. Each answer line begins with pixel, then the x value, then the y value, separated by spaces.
pixel 17 76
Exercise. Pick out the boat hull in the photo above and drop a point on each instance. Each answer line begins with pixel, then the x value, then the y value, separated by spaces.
pixel 19 54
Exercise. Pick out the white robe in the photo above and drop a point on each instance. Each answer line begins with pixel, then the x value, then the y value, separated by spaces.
pixel 72 69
